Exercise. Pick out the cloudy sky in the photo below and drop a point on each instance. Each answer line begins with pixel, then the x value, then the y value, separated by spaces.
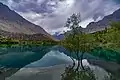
pixel 52 14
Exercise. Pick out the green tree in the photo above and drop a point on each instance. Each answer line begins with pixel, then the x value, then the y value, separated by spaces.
pixel 73 39
pixel 77 42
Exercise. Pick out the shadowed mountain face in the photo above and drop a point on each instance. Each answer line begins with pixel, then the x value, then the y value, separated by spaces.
pixel 13 24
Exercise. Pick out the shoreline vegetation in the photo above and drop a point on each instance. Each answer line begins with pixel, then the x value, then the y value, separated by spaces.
pixel 10 42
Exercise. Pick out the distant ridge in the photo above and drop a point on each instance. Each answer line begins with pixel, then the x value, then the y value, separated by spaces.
pixel 105 22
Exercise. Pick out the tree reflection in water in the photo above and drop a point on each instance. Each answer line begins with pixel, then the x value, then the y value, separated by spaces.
pixel 83 74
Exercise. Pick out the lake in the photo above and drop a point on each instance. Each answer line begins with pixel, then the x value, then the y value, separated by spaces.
pixel 13 58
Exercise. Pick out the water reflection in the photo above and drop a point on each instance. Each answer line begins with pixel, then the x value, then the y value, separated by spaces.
pixel 37 57
pixel 52 64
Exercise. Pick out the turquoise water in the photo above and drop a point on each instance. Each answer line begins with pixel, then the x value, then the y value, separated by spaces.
pixel 19 56
pixel 107 54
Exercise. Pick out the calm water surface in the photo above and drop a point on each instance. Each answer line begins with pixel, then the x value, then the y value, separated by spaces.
pixel 20 56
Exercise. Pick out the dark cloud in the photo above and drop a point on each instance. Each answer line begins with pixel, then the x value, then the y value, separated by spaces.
pixel 17 1
pixel 33 5
pixel 117 1
pixel 4 1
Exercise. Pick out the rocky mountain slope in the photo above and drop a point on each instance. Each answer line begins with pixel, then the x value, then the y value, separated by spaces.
pixel 13 25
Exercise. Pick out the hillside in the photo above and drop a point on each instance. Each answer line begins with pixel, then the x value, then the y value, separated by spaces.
pixel 108 38
pixel 13 25
pixel 21 36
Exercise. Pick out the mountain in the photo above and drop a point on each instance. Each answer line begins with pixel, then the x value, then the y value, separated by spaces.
pixel 58 36
pixel 13 25
pixel 102 24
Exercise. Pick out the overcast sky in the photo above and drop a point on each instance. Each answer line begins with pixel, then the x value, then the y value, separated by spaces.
pixel 52 14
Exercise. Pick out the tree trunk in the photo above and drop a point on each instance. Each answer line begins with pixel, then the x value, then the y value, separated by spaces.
pixel 81 61
pixel 73 62
pixel 78 46
pixel 78 61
